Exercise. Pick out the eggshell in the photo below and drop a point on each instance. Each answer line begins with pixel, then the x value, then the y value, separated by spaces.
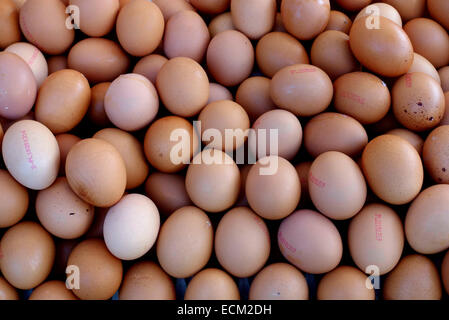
pixel 310 242
pixel 7 291
pixel 409 9
pixel 99 60
pixel 277 50
pixel 253 95
pixel 96 172
pixel 305 19
pixel 213 180
pixel 14 200
pixel 212 284
pixel 435 156
pixel 414 278
pixel 172 7
pixel 56 63
pixel 253 17
pixel 9 23
pixel 438 10
pixel 444 76
pixel 96 112
pixel 145 280
pixel 185 242
pixel 421 64
pixel 302 89
pixel 376 237
pixel 380 9
pixel 18 86
pixel 353 5
pixel 52 290
pixel 279 281
pixel 211 6
pixel 43 23
pixel 414 139
pixel 63 100
pixel 30 247
pixel 393 169
pixel 218 92
pixel 303 169
pixel 445 271
pixel 183 86
pixel 339 21
pixel 140 27
pixel 363 96
pixel 220 23
pixel 31 154
pixel 100 273
pixel 344 283
pixel 242 242
pixel 149 66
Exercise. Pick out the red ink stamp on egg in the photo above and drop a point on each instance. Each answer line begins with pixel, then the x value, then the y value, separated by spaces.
pixel 408 80
pixel 29 154
pixel 33 56
pixel 286 244
pixel 378 226
pixel 306 70
pixel 352 96
pixel 316 181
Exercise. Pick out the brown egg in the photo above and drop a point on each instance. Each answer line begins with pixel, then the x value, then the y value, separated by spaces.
pixel 96 172
pixel 273 188
pixel 7 291
pixel 170 144
pixel 186 35
pixel 363 96
pixel 303 89
pixel 339 21
pixel 220 23
pixel 430 40
pixel 97 17
pixel 332 131
pixel 253 17
pixel 444 76
pixel 277 50
pixel 344 283
pixel 218 92
pixel 213 180
pixel 414 139
pixel 52 290
pixel 253 95
pixel 65 142
pixel 418 101
pixel 172 7
pixel 393 169
pixel 149 66
pixel 168 191
pixel 445 272
pixel 242 242
pixel 414 278
pixel 211 6
pixel 330 52
pixel 386 50
pixel 212 284
pixel 100 273
pixel 185 242
pixel 305 19
pixel 409 9
pixel 63 100
pixel 376 238
pixel 380 9
pixel 303 169
pixel 230 57
pixel 100 60
pixel 29 246
pixel 14 200
pixel 224 125
pixel 183 86
pixel 279 281
pixel 18 86
pixel 145 280
pixel 9 23
pixel 438 10
pixel 353 5
pixel 310 241
pixel 435 157
pixel 140 27
pixel 56 63
pixel 96 112
pixel 421 64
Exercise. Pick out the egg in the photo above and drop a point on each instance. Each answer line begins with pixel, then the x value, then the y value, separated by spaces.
pixel 212 284
pixel 185 242
pixel 414 139
pixel 14 200
pixel 426 221
pixel 435 157
pixel 409 9
pixel 18 85
pixel 96 172
pixel 220 23
pixel 29 246
pixel 100 273
pixel 253 95
pixel 131 227
pixel 211 6
pixel 9 23
pixel 253 17
pixel 303 169
pixel 31 154
pixel 98 59
pixel 445 272
pixel 305 19
pixel 277 50
pixel 242 242
pixel 421 64
pixel 218 92
pixel 430 40
pixel 418 101
pixel 363 96
pixel 56 63
pixel 172 7
pixel 444 76
pixel 279 281
pixel 353 5
pixel 385 50
pixel 7 291
pixel 170 144
pixel 376 238
pixel 213 180
pixel 344 283
pixel 380 9
pixel 140 27
pixel 414 278
pixel 302 89
pixel 149 66
pixel 97 17
pixel 145 280
pixel 310 241
pixel 183 86
pixel 96 113
pixel 63 100
pixel 438 9
pixel 393 169
pixel 53 36
pixel 52 290
pixel 339 21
